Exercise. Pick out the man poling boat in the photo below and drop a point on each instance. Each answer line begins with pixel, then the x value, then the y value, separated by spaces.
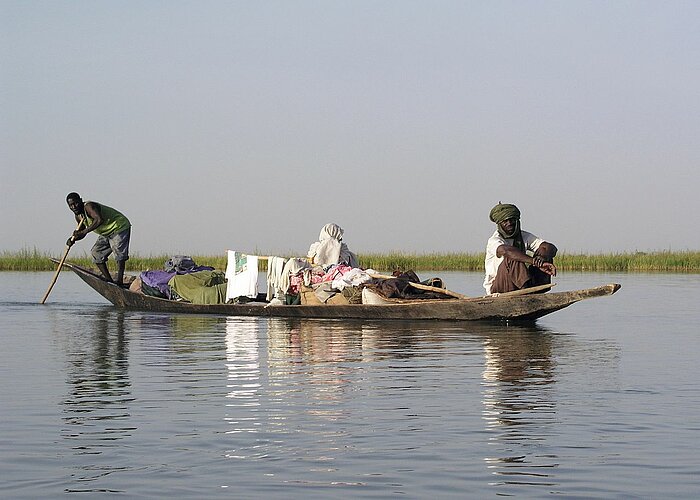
pixel 113 230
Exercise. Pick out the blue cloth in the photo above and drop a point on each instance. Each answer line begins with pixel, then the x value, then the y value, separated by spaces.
pixel 158 280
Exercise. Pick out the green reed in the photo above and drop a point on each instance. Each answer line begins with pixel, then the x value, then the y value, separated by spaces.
pixel 431 261
pixel 685 261
pixel 688 262
pixel 36 260
pixel 26 260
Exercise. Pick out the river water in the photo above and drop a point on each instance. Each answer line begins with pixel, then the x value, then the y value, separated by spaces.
pixel 600 400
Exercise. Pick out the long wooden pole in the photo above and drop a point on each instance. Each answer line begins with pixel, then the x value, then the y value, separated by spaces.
pixel 524 291
pixel 60 265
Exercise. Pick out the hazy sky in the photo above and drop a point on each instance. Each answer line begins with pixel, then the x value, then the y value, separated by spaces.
pixel 250 124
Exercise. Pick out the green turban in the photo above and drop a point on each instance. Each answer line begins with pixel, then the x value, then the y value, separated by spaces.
pixel 504 211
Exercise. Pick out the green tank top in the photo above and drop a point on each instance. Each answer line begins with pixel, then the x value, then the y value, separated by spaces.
pixel 113 221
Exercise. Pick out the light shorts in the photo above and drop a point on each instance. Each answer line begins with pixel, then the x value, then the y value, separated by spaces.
pixel 116 242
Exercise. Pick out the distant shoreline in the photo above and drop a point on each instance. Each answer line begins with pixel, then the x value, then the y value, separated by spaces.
pixel 680 262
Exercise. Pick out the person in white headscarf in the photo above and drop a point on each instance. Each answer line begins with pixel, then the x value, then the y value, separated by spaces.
pixel 330 249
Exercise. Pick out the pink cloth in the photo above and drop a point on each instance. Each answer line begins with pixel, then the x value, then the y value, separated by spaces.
pixel 304 277
pixel 336 272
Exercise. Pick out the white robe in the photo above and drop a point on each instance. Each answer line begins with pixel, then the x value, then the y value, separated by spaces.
pixel 330 249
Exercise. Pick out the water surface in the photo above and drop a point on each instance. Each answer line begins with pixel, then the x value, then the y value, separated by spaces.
pixel 597 400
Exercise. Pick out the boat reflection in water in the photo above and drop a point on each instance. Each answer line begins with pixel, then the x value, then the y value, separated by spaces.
pixel 97 408
pixel 305 389
pixel 519 404
pixel 288 376
pixel 521 397
pixel 244 412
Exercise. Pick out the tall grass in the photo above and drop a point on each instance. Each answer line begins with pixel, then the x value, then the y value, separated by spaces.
pixel 430 261
pixel 35 260
pixel 26 260
pixel 685 262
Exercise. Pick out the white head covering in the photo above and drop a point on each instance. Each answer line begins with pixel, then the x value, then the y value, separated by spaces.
pixel 330 230
pixel 328 247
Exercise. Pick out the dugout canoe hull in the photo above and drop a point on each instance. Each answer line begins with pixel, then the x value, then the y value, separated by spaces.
pixel 522 308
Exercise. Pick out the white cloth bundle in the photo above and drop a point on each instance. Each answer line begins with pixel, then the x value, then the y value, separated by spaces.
pixel 241 275
pixel 354 277
pixel 275 267
pixel 292 267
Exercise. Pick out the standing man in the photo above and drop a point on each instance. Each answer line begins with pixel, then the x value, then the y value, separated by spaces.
pixel 112 227
pixel 515 259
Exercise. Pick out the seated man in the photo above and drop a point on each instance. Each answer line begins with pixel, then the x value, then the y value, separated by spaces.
pixel 515 259
pixel 330 249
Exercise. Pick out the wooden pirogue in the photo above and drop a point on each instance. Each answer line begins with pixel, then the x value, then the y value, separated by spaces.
pixel 518 306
